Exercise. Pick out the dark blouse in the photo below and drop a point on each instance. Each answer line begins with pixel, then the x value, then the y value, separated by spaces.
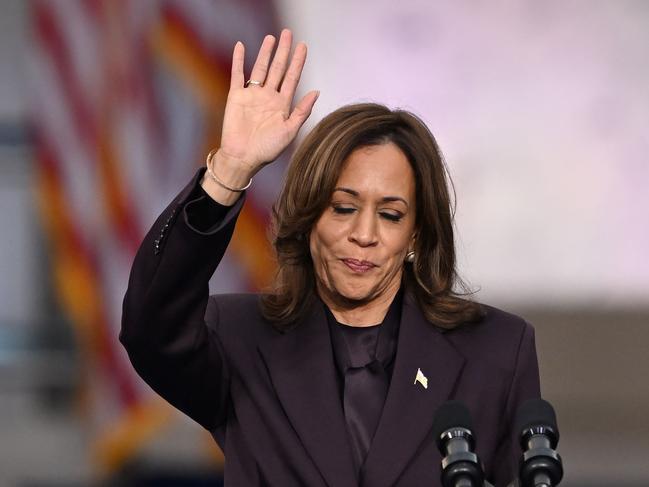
pixel 364 358
pixel 205 213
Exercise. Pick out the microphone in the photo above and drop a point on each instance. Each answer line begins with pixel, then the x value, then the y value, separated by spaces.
pixel 541 465
pixel 452 428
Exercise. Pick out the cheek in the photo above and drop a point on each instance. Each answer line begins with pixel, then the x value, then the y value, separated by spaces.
pixel 323 238
pixel 318 256
pixel 314 248
pixel 399 242
pixel 318 248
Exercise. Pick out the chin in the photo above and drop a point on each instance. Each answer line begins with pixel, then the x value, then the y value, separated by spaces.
pixel 355 294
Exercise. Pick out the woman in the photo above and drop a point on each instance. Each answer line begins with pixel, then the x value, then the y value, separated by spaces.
pixel 333 377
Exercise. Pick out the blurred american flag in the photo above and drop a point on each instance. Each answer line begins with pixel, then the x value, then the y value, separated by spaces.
pixel 128 97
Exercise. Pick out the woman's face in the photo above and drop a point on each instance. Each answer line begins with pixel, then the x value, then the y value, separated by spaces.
pixel 359 243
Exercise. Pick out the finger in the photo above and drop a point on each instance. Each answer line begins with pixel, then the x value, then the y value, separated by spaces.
pixel 238 59
pixel 260 68
pixel 292 77
pixel 278 66
pixel 302 111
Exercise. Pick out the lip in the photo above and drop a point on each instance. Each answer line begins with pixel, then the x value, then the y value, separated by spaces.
pixel 359 266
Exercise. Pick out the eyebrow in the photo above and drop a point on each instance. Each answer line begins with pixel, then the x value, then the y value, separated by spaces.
pixel 385 199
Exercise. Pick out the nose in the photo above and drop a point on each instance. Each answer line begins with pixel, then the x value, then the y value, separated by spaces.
pixel 364 229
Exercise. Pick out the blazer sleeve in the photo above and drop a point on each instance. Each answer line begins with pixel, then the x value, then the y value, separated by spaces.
pixel 525 385
pixel 163 316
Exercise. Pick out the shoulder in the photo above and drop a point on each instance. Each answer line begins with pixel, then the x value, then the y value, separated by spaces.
pixel 498 334
pixel 501 321
pixel 237 314
pixel 234 301
pixel 233 306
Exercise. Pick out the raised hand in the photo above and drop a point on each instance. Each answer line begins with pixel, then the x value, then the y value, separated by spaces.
pixel 259 123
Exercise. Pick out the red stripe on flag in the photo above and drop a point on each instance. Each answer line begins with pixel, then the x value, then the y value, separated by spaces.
pixel 116 197
pixel 217 56
pixel 69 239
pixel 52 42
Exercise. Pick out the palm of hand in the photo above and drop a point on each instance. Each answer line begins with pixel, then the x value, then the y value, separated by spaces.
pixel 258 123
pixel 255 126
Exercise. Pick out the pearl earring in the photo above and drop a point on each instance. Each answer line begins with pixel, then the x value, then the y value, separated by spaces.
pixel 410 257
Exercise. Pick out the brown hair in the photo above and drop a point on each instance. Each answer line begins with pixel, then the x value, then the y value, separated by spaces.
pixel 310 181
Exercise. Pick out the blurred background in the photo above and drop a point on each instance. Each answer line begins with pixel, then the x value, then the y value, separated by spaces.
pixel 108 107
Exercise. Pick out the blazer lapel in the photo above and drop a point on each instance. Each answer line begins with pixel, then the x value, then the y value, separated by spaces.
pixel 302 370
pixel 410 407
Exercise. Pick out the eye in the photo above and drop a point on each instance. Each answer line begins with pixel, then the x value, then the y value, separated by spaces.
pixel 343 210
pixel 393 217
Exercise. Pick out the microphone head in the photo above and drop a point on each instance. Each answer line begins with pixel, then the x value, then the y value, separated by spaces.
pixel 537 416
pixel 452 415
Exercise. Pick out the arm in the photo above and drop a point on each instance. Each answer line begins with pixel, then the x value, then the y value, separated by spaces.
pixel 163 326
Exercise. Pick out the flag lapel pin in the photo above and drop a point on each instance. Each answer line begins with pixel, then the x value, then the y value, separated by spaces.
pixel 421 378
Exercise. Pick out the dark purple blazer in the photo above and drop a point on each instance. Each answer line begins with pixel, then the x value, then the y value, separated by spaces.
pixel 271 399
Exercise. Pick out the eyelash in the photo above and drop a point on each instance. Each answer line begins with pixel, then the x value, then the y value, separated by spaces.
pixel 343 210
pixel 391 217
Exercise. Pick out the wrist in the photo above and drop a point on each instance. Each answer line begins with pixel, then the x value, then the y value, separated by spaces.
pixel 232 171
pixel 226 178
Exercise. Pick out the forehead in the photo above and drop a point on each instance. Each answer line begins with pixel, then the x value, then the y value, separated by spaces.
pixel 378 169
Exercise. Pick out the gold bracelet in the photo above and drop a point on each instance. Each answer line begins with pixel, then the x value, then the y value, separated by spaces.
pixel 208 162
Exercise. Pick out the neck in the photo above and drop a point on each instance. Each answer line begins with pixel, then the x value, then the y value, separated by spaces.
pixel 360 313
